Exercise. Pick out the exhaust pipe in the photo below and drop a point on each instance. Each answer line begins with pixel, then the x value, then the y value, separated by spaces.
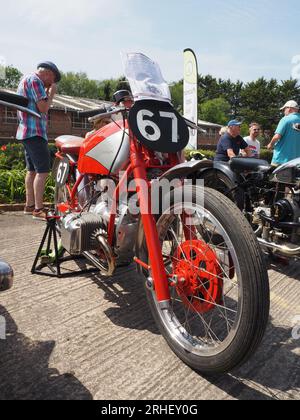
pixel 283 249
pixel 107 268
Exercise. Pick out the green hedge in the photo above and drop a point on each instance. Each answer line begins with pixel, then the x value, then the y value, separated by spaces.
pixel 13 172
pixel 12 187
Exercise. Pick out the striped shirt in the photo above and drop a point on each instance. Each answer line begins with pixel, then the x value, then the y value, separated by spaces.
pixel 29 126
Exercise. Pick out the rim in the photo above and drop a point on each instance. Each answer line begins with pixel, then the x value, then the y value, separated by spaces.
pixel 206 295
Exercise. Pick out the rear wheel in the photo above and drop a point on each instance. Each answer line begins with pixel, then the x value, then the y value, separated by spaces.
pixel 219 287
pixel 220 182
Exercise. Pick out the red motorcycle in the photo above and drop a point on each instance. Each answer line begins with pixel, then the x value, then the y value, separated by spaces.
pixel 205 279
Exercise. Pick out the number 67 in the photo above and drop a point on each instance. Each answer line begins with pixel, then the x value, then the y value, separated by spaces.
pixel 143 124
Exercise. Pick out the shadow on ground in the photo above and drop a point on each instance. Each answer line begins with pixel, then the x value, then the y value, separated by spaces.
pixel 273 371
pixel 24 370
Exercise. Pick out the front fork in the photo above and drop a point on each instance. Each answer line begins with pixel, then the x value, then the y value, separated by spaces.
pixel 152 240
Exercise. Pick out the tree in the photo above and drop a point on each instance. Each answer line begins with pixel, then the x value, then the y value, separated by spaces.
pixel 260 102
pixel 12 78
pixel 177 95
pixel 232 92
pixel 216 111
pixel 78 85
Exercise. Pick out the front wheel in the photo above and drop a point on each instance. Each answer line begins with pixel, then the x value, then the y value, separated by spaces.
pixel 219 286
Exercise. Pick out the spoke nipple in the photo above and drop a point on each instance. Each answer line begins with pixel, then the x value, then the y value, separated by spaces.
pixel 150 284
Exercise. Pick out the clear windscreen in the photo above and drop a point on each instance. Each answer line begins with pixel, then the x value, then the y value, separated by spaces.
pixel 145 78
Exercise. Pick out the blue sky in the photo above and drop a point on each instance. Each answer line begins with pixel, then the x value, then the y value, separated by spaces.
pixel 234 39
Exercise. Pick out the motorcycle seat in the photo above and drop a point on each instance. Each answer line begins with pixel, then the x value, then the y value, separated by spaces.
pixel 69 144
pixel 240 165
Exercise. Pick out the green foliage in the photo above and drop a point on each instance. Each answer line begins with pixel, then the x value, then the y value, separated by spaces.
pixel 177 95
pixel 266 154
pixel 12 78
pixel 12 187
pixel 12 157
pixel 78 85
pixel 215 111
pixel 12 175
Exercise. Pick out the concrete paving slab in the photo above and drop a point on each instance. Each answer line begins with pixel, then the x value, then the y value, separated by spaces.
pixel 92 338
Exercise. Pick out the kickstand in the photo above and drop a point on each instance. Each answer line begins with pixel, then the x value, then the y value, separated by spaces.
pixel 54 258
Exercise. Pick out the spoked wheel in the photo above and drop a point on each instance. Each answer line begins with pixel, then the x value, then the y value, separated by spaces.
pixel 218 284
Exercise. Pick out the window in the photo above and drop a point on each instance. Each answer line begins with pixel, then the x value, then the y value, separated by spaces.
pixel 10 116
pixel 82 123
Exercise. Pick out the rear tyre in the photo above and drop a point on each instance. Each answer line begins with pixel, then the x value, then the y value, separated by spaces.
pixel 220 182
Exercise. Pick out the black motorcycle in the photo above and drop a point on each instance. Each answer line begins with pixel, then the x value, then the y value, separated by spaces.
pixel 269 197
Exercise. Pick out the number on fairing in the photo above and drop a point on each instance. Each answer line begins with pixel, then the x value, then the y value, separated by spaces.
pixel 62 172
pixel 174 124
pixel 143 124
pixel 158 126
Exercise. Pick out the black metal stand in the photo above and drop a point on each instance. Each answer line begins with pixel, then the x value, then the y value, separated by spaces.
pixel 53 262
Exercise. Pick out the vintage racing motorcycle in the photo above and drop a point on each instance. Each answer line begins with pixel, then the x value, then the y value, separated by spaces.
pixel 268 196
pixel 204 275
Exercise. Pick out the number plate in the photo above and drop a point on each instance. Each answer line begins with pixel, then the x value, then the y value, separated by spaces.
pixel 158 126
pixel 62 172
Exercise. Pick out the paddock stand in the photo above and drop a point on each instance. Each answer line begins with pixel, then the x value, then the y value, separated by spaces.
pixel 53 257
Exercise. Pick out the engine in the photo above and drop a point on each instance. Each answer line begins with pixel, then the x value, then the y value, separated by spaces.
pixel 280 222
pixel 78 232
pixel 86 232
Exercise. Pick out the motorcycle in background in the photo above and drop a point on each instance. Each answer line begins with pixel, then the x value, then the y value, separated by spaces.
pixel 269 198
pixel 204 275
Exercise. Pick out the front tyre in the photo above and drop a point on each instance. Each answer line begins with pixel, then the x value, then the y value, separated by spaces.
pixel 219 288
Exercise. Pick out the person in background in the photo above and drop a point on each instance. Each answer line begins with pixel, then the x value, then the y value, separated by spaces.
pixel 286 142
pixel 223 131
pixel 40 88
pixel 252 140
pixel 231 143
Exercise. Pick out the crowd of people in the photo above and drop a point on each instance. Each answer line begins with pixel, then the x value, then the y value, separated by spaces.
pixel 285 143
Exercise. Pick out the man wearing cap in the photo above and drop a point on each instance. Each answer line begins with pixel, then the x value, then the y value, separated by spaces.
pixel 231 143
pixel 40 89
pixel 286 142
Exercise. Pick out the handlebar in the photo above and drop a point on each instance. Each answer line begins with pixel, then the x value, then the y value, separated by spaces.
pixel 13 99
pixel 20 103
pixel 91 113
pixel 193 126
pixel 101 116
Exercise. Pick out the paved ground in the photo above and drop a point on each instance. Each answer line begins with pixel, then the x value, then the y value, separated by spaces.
pixel 90 338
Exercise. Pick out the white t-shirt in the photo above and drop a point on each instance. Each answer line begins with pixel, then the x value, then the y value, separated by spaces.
pixel 254 146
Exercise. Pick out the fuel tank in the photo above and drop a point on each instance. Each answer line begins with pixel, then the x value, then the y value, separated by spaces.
pixel 107 151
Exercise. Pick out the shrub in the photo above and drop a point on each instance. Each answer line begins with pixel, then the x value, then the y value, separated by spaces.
pixel 12 187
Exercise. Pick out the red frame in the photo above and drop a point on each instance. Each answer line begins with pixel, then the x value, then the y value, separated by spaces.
pixel 141 159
